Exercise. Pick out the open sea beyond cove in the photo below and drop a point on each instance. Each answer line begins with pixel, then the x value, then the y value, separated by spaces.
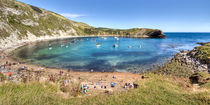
pixel 109 53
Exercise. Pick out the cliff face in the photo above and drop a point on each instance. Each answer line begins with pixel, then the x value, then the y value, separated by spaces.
pixel 20 22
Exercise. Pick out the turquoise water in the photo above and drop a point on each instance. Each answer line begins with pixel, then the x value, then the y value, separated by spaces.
pixel 131 55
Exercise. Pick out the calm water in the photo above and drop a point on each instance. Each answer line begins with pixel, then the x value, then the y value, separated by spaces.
pixel 131 55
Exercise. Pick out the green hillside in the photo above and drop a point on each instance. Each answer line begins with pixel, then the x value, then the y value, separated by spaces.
pixel 23 20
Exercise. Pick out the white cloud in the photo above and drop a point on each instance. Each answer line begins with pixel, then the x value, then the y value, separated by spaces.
pixel 71 15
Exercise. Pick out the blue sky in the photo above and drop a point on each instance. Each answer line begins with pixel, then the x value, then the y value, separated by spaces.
pixel 168 15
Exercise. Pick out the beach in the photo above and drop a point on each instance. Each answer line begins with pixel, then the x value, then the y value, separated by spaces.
pixel 97 82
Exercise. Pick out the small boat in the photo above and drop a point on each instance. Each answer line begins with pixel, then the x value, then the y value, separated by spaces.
pixel 50 48
pixel 117 38
pixel 98 44
pixel 67 46
pixel 115 45
pixel 139 46
pixel 62 45
pixel 129 46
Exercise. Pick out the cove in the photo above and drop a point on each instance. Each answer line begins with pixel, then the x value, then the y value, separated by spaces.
pixel 101 54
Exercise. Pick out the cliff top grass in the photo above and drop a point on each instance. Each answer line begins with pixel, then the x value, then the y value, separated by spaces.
pixel 156 89
pixel 205 49
pixel 202 53
pixel 176 68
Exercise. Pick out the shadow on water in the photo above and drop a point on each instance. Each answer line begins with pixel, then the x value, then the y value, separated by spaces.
pixel 123 53
pixel 99 65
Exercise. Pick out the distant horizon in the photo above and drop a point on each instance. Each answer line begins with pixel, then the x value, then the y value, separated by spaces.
pixel 168 16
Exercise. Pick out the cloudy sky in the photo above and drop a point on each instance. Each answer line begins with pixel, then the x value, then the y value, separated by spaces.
pixel 168 15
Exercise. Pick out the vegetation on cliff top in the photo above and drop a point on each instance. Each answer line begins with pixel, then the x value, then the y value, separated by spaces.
pixel 202 53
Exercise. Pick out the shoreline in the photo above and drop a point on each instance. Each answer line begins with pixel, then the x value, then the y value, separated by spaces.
pixel 55 37
pixel 9 50
pixel 46 74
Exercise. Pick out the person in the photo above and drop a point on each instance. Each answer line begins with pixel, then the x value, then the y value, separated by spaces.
pixel 61 73
pixel 24 67
pixel 81 86
pixel 7 62
pixel 10 74
pixel 113 84
pixel 125 87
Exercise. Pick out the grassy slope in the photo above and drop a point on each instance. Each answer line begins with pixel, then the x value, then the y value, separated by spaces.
pixel 49 21
pixel 154 90
pixel 202 53
pixel 176 68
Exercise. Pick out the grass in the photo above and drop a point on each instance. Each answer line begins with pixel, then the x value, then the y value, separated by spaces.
pixel 176 68
pixel 24 94
pixel 202 53
pixel 154 90
pixel 2 77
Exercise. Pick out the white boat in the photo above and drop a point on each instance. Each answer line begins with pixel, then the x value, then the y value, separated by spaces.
pixel 50 48
pixel 115 45
pixel 129 46
pixel 62 45
pixel 98 44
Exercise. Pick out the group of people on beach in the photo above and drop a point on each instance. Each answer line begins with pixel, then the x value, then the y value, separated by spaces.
pixel 17 72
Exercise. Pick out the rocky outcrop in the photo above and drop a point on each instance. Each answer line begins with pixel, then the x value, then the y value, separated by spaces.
pixel 199 78
pixel 198 57
pixel 197 66
pixel 186 63
pixel 156 34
